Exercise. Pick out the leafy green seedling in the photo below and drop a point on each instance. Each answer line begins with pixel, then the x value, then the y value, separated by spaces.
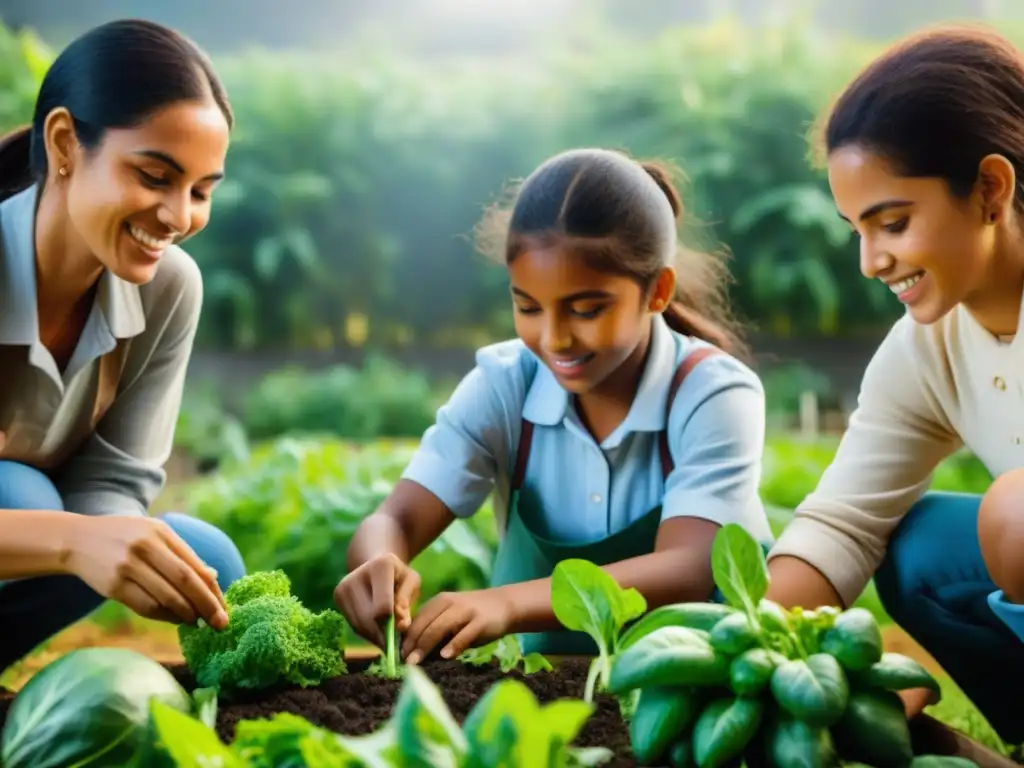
pixel 739 569
pixel 508 726
pixel 189 742
pixel 586 599
pixel 509 655
pixel 388 666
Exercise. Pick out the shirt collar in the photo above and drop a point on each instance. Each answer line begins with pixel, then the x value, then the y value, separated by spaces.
pixel 547 402
pixel 118 300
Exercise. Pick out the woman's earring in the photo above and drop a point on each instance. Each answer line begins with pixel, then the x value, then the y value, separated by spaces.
pixel 63 170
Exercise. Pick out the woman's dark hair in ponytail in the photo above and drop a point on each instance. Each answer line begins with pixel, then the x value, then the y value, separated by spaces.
pixel 622 215
pixel 114 76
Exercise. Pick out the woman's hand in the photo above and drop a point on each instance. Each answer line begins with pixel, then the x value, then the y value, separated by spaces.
pixel 141 562
pixel 469 618
pixel 372 592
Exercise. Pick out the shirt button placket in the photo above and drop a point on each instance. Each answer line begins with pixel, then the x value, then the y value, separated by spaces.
pixel 599 493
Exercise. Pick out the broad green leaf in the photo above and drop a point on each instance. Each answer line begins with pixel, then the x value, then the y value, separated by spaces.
pixel 508 653
pixel 695 615
pixel 585 598
pixel 789 741
pixel 206 706
pixel 492 726
pixel 427 734
pixel 289 741
pixel 562 720
pixel 536 662
pixel 896 672
pixel 854 639
pixel 725 728
pixel 739 567
pixel 662 716
pixel 379 749
pixel 668 656
pixel 814 690
pixel 190 743
pixel 509 727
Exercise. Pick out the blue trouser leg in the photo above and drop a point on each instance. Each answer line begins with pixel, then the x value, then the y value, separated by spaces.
pixel 33 610
pixel 934 584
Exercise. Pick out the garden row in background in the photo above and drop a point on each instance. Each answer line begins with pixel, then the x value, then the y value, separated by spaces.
pixel 378 397
pixel 356 179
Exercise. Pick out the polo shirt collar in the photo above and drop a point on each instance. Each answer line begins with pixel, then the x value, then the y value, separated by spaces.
pixel 118 301
pixel 548 403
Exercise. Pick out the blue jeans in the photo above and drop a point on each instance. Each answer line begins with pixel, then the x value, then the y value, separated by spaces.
pixel 33 610
pixel 934 584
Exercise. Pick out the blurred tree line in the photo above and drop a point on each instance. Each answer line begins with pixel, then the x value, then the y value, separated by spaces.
pixel 355 182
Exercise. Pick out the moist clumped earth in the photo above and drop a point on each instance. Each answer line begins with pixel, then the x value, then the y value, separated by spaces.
pixel 357 703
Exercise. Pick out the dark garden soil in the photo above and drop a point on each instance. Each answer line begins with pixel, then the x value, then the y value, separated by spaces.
pixel 355 703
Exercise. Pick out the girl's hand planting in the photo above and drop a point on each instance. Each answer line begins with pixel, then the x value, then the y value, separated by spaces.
pixel 469 618
pixel 379 587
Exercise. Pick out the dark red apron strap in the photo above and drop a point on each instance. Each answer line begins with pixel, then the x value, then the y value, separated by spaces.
pixel 688 364
pixel 522 455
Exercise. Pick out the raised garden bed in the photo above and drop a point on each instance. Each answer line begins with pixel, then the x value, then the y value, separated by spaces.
pixel 356 703
pixel 741 683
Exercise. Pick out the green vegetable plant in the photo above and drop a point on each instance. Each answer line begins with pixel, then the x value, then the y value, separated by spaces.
pixel 389 665
pixel 90 707
pixel 586 599
pixel 748 681
pixel 509 655
pixel 270 638
pixel 507 728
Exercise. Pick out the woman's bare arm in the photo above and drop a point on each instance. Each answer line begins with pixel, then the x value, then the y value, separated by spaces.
pixel 795 582
pixel 35 542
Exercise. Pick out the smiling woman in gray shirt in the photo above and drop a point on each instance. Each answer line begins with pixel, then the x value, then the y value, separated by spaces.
pixel 98 311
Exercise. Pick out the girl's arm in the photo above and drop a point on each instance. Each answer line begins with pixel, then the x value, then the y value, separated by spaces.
pixel 405 524
pixel 716 434
pixel 451 473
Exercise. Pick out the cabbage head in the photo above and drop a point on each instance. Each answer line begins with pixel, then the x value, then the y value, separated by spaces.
pixel 90 707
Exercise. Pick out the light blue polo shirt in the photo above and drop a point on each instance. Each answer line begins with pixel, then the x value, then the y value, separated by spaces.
pixel 587 490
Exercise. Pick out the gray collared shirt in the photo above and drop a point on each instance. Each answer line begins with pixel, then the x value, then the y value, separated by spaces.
pixel 116 467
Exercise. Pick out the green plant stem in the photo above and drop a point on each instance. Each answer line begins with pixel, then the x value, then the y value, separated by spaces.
pixel 801 651
pixel 390 662
pixel 598 667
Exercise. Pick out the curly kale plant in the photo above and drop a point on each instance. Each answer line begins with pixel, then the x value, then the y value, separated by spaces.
pixel 271 638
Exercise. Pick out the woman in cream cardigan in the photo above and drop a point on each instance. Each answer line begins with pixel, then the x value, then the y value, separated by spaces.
pixel 925 153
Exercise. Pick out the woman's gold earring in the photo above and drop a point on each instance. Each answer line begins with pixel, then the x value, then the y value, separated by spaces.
pixel 63 171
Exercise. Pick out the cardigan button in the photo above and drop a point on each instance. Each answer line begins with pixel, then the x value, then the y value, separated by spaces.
pixel 999 383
